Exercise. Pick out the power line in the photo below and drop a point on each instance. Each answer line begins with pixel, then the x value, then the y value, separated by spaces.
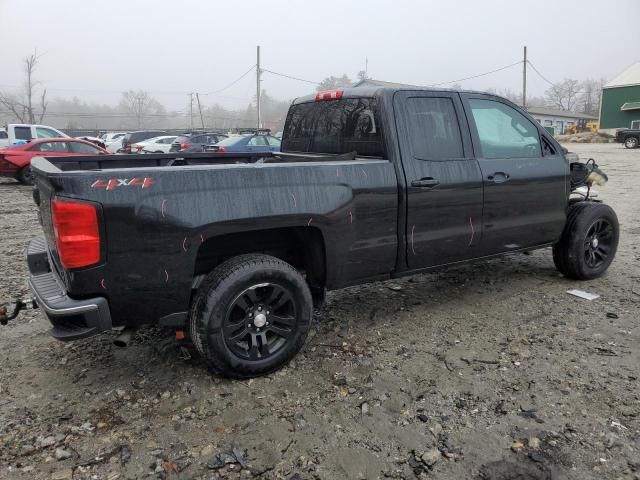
pixel 540 75
pixel 582 90
pixel 232 83
pixel 479 75
pixel 290 77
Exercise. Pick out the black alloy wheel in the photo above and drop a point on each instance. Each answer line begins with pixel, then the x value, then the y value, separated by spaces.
pixel 598 243
pixel 260 321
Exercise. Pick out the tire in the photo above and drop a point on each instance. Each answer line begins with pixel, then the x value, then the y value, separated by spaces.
pixel 631 142
pixel 589 241
pixel 250 316
pixel 25 176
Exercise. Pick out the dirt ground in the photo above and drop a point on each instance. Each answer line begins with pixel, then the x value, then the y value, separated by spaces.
pixel 489 371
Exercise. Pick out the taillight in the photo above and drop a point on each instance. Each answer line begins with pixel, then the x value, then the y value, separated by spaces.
pixel 77 233
pixel 184 146
pixel 330 95
pixel 222 149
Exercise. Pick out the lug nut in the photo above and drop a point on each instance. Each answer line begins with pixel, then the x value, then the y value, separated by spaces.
pixel 267 323
pixel 259 309
pixel 250 314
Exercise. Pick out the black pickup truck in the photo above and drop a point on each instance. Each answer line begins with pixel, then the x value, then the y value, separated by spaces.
pixel 630 137
pixel 234 251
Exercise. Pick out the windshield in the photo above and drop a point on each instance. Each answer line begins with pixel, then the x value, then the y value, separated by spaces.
pixel 334 126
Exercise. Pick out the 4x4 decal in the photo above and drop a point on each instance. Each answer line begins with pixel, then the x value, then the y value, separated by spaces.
pixel 114 183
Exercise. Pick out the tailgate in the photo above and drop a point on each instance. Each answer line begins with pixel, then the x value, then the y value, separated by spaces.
pixel 43 192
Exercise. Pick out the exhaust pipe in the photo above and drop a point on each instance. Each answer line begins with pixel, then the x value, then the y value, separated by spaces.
pixel 124 338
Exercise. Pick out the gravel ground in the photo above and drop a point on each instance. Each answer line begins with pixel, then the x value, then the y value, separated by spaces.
pixel 488 371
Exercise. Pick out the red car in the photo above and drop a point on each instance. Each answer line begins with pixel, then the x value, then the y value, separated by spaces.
pixel 15 161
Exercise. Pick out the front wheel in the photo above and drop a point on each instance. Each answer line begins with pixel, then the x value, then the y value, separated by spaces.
pixel 251 316
pixel 631 142
pixel 589 241
pixel 25 175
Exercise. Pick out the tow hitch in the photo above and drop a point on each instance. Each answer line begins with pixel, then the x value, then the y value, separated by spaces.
pixel 18 306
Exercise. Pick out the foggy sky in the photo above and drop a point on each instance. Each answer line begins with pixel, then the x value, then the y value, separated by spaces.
pixel 95 50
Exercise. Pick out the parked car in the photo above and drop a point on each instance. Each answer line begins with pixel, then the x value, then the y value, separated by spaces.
pixel 15 161
pixel 135 137
pixel 110 137
pixel 22 131
pixel 160 144
pixel 195 142
pixel 371 184
pixel 95 140
pixel 115 146
pixel 629 136
pixel 246 143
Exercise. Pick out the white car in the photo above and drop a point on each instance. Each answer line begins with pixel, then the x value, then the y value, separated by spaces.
pixel 110 137
pixel 113 147
pixel 16 132
pixel 160 144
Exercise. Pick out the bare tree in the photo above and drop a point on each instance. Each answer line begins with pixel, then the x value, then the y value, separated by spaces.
pixel 21 105
pixel 589 101
pixel 332 82
pixel 564 95
pixel 140 105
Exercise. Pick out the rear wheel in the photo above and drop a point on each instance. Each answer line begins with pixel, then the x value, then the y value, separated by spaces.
pixel 589 241
pixel 631 142
pixel 251 316
pixel 25 176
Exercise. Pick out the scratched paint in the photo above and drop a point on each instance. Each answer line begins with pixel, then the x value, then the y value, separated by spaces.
pixel 295 203
pixel 351 218
pixel 309 222
pixel 184 244
pixel 473 231
pixel 413 229
pixel 166 276
pixel 162 208
pixel 102 284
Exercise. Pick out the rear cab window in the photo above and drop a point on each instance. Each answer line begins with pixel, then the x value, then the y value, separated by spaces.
pixel 22 133
pixel 334 127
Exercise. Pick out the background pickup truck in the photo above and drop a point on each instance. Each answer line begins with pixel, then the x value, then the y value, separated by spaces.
pixel 630 137
pixel 370 184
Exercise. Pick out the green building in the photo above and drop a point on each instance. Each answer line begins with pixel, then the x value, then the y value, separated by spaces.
pixel 620 102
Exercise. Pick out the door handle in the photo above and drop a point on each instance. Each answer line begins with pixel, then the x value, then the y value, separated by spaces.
pixel 426 182
pixel 499 177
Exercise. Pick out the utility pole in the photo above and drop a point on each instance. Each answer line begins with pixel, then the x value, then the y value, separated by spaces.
pixel 191 111
pixel 258 73
pixel 524 79
pixel 200 109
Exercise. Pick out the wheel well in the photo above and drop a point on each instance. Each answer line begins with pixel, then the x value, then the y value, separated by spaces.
pixel 302 247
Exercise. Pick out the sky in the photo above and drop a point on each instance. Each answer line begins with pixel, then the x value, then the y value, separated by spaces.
pixel 95 50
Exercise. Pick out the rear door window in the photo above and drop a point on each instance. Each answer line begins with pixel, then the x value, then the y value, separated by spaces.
pixel 257 141
pixel 334 126
pixel 503 131
pixel 434 128
pixel 3 134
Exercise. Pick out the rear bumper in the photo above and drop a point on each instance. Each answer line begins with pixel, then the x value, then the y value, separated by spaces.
pixel 71 319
